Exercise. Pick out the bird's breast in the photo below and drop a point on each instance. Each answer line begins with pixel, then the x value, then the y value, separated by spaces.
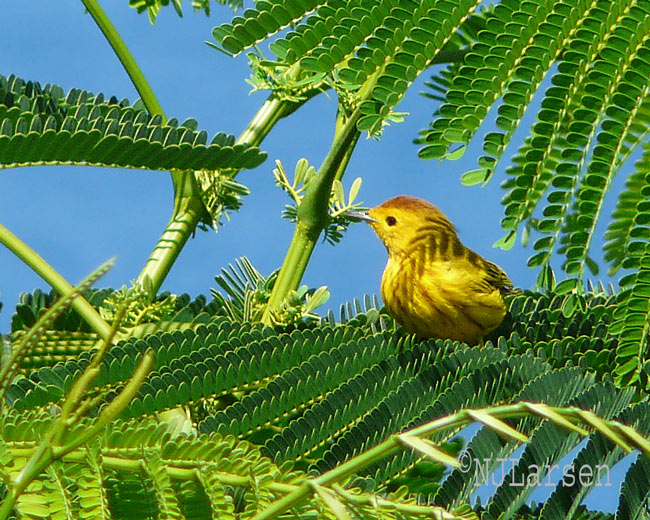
pixel 433 299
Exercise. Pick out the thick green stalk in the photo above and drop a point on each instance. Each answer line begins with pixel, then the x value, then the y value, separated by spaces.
pixel 312 214
pixel 52 277
pixel 126 58
pixel 314 205
pixel 348 152
pixel 188 210
pixel 269 113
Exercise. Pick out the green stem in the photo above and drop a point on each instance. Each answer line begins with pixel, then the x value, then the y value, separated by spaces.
pixel 313 208
pixel 273 109
pixel 188 210
pixel 126 58
pixel 188 207
pixel 52 277
pixel 312 214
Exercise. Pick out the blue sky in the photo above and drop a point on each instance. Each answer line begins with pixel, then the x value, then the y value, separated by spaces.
pixel 77 217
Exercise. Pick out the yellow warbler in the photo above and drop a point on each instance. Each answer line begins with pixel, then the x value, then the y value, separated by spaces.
pixel 433 285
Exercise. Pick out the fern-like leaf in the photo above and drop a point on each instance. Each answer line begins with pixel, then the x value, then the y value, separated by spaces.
pixel 43 125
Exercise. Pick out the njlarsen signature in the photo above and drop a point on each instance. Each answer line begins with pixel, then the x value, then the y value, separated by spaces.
pixel 495 471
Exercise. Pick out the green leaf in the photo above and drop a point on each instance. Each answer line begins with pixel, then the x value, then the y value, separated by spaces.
pixel 320 297
pixel 338 193
pixel 475 177
pixel 456 154
pixel 300 172
pixel 354 191
pixel 570 305
pixel 82 128
pixel 566 286
pixel 507 241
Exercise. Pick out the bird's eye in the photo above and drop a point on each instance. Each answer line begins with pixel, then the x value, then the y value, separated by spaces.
pixel 391 221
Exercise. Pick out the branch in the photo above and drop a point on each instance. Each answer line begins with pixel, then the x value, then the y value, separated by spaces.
pixel 126 58
pixel 52 277
pixel 312 214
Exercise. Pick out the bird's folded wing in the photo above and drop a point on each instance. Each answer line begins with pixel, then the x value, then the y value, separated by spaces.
pixel 496 278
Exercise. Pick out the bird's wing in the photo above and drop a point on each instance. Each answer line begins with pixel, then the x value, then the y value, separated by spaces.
pixel 469 289
pixel 470 270
pixel 482 275
pixel 455 265
pixel 495 278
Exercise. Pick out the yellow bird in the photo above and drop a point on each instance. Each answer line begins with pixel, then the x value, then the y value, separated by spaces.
pixel 433 285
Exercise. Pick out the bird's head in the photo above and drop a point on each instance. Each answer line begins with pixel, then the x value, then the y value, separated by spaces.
pixel 400 220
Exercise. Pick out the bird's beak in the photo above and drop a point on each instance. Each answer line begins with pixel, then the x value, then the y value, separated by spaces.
pixel 360 215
